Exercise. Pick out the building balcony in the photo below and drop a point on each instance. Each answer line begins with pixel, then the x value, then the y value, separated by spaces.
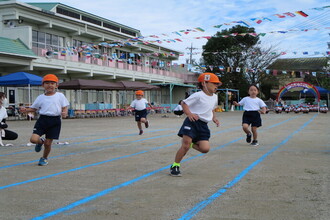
pixel 104 67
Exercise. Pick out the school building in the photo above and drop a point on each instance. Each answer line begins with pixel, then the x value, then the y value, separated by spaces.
pixel 296 69
pixel 43 38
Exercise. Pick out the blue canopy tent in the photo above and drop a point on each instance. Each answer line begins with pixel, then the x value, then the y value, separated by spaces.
pixel 321 90
pixel 21 79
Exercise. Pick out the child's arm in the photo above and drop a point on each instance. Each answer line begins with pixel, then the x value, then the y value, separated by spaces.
pixel 263 110
pixel 214 119
pixel 186 110
pixel 236 103
pixel 23 109
pixel 64 112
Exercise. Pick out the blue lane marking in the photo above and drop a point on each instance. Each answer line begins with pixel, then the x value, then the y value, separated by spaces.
pixel 64 155
pixel 86 166
pixel 201 205
pixel 106 191
pixel 101 139
pixel 82 167
pixel 109 190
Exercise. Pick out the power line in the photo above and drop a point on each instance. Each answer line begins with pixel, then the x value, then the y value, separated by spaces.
pixel 191 48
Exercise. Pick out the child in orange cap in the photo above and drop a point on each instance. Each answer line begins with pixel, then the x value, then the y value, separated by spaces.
pixel 139 104
pixel 199 108
pixel 51 106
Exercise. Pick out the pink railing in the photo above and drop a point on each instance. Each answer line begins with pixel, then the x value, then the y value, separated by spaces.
pixel 109 63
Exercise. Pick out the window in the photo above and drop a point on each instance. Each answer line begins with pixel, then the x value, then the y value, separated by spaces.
pixel 67 13
pixel 46 40
pixel 35 36
pixel 76 43
pixel 125 31
pixel 91 20
pixel 110 26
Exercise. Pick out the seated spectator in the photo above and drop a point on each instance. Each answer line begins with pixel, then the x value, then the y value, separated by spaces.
pixel 178 110
pixel 4 133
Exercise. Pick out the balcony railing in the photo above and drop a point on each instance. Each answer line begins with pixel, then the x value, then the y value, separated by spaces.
pixel 113 63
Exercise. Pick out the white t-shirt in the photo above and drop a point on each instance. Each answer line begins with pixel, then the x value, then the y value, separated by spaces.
pixel 139 104
pixel 50 105
pixel 202 105
pixel 3 113
pixel 252 104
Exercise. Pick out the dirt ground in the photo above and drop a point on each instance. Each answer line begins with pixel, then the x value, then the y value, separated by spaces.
pixel 108 171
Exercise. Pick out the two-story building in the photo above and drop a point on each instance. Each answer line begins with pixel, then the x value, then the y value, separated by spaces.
pixel 42 38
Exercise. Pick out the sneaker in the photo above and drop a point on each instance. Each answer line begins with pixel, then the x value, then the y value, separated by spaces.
pixel 141 132
pixel 248 138
pixel 147 124
pixel 39 146
pixel 254 143
pixel 175 171
pixel 42 162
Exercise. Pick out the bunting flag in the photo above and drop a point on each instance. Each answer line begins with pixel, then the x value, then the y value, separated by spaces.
pixel 200 29
pixel 90 50
pixel 290 14
pixel 302 13
pixel 217 26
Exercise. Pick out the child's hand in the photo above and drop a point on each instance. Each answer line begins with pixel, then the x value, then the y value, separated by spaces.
pixel 193 117
pixel 64 114
pixel 216 121
pixel 235 103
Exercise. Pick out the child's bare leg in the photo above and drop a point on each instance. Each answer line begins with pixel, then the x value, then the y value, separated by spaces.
pixel 185 146
pixel 254 132
pixel 139 125
pixel 202 146
pixel 246 128
pixel 48 146
pixel 35 139
pixel 143 120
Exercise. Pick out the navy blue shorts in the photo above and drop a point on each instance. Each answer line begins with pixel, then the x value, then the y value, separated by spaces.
pixel 197 130
pixel 252 118
pixel 140 114
pixel 48 125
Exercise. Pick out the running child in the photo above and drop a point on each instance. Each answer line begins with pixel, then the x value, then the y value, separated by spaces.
pixel 199 108
pixel 253 106
pixel 139 104
pixel 51 106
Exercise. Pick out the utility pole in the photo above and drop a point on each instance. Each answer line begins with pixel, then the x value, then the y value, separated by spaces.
pixel 191 48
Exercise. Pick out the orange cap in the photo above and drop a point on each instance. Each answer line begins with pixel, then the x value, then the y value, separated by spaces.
pixel 139 92
pixel 50 78
pixel 208 77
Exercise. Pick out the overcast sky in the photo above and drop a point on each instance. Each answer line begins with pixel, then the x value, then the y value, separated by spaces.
pixel 155 17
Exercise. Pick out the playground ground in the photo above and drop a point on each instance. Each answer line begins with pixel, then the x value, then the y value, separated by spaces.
pixel 108 171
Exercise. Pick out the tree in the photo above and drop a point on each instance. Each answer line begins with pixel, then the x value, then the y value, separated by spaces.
pixel 320 79
pixel 241 52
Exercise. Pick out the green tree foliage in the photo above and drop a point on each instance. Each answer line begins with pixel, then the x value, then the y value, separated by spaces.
pixel 243 54
pixel 321 80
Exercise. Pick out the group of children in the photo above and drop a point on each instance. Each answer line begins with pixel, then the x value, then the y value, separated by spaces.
pixel 198 107
pixel 304 108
